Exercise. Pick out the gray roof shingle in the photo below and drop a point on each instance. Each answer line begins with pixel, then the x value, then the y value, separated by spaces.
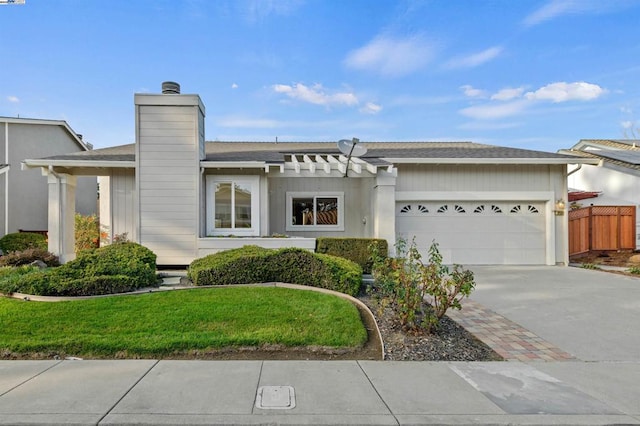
pixel 271 152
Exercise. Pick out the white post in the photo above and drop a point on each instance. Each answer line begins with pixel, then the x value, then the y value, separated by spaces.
pixel 384 208
pixel 62 209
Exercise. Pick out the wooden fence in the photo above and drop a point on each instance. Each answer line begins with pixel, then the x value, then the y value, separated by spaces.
pixel 602 228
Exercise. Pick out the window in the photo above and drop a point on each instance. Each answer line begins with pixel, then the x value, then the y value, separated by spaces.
pixel 232 205
pixel 315 211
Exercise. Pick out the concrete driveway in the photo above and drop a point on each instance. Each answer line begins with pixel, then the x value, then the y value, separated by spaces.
pixel 593 315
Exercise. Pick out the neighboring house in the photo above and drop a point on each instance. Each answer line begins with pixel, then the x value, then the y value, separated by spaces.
pixel 23 193
pixel 184 198
pixel 616 180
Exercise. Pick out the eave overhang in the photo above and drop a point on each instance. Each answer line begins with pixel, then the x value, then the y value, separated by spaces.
pixel 576 160
pixel 70 164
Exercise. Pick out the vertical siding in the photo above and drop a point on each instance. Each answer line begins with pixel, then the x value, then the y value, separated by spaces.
pixel 448 177
pixel 28 141
pixel 168 181
pixel 357 203
pixel 123 185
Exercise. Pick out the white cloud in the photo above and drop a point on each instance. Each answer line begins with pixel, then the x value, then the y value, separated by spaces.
pixel 511 101
pixel 507 94
pixel 234 86
pixel 563 92
pixel 475 59
pixel 494 111
pixel 13 99
pixel 392 57
pixel 472 92
pixel 316 94
pixel 628 124
pixel 371 108
pixel 557 8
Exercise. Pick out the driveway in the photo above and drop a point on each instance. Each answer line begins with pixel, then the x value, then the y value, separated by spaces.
pixel 593 315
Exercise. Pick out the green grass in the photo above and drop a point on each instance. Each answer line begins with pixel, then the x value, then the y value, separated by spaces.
pixel 173 322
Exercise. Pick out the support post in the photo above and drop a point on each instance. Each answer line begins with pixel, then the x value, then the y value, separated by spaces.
pixel 384 208
pixel 62 210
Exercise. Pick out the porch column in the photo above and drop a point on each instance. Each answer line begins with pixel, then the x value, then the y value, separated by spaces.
pixel 384 208
pixel 62 210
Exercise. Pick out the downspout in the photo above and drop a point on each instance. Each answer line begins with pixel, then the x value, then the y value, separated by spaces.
pixel 6 178
pixel 574 170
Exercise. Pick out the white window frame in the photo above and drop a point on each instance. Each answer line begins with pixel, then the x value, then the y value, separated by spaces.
pixel 254 182
pixel 289 208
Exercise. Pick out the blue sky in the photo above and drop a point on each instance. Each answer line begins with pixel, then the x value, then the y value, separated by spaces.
pixel 529 74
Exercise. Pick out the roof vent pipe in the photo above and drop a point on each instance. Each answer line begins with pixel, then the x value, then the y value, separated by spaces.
pixel 170 88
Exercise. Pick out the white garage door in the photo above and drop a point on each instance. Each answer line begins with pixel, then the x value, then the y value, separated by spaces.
pixel 477 233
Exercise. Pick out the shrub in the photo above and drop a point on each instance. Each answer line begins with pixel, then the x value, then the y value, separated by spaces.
pixel 20 241
pixel 252 264
pixel 115 268
pixel 635 270
pixel 25 257
pixel 87 232
pixel 420 294
pixel 11 278
pixel 355 249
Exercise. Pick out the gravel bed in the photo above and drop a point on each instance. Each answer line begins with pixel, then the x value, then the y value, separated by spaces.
pixel 451 342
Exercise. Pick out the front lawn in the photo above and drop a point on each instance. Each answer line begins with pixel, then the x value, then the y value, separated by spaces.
pixel 170 323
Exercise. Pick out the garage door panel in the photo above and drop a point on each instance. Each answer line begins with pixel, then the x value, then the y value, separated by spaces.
pixel 479 232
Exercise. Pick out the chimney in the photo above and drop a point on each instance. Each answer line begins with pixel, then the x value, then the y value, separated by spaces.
pixel 170 88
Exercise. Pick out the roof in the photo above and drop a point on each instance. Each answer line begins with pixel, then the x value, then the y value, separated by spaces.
pixel 378 154
pixel 621 153
pixel 75 136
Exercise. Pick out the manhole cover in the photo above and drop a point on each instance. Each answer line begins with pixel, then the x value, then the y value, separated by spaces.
pixel 276 398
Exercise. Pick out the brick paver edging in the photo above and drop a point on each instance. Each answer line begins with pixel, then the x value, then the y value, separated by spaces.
pixel 510 340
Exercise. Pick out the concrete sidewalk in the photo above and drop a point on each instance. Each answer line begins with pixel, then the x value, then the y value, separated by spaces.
pixel 150 392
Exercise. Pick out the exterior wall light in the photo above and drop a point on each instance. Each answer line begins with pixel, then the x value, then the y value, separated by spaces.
pixel 560 205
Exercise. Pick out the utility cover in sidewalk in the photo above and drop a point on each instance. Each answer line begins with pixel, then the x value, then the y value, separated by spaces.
pixel 276 398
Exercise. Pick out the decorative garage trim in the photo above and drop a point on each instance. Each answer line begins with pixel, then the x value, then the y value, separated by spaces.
pixel 435 203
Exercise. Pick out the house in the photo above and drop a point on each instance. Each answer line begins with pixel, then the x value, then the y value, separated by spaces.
pixel 23 194
pixel 616 181
pixel 185 198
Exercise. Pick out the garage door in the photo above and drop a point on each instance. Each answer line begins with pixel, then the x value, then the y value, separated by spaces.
pixel 477 233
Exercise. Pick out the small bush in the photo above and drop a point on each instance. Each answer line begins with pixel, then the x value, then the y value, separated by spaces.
pixel 355 249
pixel 87 232
pixel 252 264
pixel 420 294
pixel 115 268
pixel 25 257
pixel 20 241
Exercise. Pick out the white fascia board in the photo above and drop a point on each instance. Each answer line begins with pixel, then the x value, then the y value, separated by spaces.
pixel 577 160
pixel 163 99
pixel 75 163
pixel 45 122
pixel 474 195
pixel 4 169
pixel 236 164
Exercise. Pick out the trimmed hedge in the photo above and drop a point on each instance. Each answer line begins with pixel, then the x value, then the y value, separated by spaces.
pixel 19 241
pixel 116 268
pixel 354 249
pixel 252 264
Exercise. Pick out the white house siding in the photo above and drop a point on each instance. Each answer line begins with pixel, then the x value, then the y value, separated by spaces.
pixel 168 187
pixel 623 185
pixel 28 189
pixel 122 187
pixel 357 203
pixel 533 235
